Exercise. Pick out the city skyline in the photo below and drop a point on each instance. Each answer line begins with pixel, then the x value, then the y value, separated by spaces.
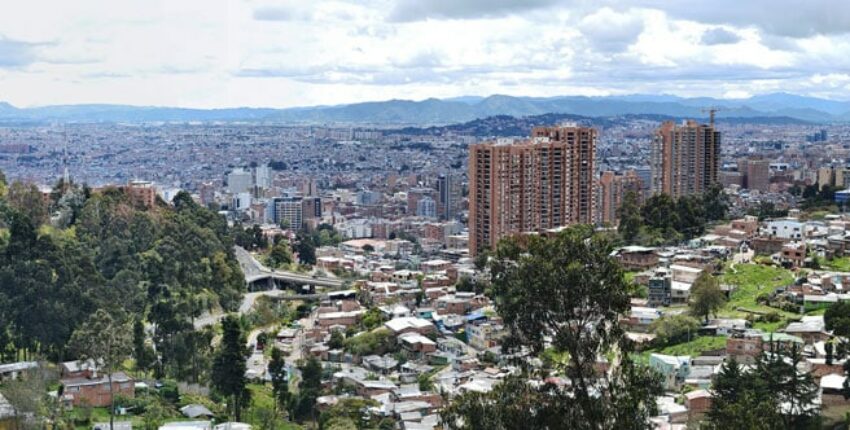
pixel 286 54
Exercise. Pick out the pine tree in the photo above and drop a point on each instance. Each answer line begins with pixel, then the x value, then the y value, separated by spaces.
pixel 280 379
pixel 229 366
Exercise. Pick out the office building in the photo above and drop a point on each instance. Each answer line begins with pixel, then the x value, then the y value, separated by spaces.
pixel 450 196
pixel 240 180
pixel 530 185
pixel 287 210
pixel 612 190
pixel 263 177
pixel 426 207
pixel 685 158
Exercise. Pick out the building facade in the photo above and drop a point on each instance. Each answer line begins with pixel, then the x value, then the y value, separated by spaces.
pixel 450 196
pixel 685 158
pixel 613 188
pixel 531 185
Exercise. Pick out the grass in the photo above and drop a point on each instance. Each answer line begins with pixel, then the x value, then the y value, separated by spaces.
pixel 841 264
pixel 694 348
pixel 750 281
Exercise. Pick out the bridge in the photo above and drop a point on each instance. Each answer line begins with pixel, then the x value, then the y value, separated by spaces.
pixel 258 276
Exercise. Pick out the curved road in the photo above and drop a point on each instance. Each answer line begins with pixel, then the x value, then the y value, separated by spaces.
pixel 252 269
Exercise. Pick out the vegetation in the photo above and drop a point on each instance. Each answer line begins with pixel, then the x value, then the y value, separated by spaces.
pixel 751 281
pixel 674 329
pixel 229 366
pixel 775 394
pixel 706 296
pixel 663 219
pixel 582 285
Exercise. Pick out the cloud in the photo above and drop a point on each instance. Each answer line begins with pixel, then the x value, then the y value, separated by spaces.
pixel 277 13
pixel 719 36
pixel 419 10
pixel 609 31
pixel 790 18
pixel 14 53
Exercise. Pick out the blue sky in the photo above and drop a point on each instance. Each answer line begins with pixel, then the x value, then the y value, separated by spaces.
pixel 223 53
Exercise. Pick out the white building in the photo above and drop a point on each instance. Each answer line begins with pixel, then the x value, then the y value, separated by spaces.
pixel 239 181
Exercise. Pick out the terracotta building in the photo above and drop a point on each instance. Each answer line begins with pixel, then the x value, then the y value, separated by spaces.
pixel 531 185
pixel 685 158
pixel 612 190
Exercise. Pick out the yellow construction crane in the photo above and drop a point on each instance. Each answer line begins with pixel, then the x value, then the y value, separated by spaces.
pixel 711 111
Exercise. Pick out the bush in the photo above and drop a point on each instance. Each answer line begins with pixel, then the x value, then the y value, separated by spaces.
pixel 674 329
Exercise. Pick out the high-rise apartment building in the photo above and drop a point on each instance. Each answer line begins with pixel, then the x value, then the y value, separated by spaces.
pixel 685 158
pixel 530 185
pixel 450 195
pixel 758 174
pixel 414 195
pixel 612 190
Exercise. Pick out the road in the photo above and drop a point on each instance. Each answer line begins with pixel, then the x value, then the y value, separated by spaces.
pixel 252 269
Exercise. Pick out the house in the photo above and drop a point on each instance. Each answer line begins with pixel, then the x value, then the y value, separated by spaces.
pixel 195 411
pixel 793 254
pixel 832 389
pixel 673 369
pixel 416 344
pixel 409 325
pixel 14 370
pixel 187 425
pixel 811 329
pixel 94 390
pixel 117 425
pixel 637 257
pixel 698 402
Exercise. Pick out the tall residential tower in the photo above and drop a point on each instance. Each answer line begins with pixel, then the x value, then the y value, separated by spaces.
pixel 530 185
pixel 685 158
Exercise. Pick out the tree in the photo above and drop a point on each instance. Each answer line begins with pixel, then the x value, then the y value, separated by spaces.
pixel 674 329
pixel 305 248
pixel 630 219
pixel 105 339
pixel 585 293
pixel 308 389
pixel 229 365
pixel 141 352
pixel 280 255
pixel 737 401
pixel 280 379
pixel 337 340
pixel 706 296
pixel 27 199
pixel 715 202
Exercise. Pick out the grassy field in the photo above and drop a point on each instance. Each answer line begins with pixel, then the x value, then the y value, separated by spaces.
pixel 752 280
pixel 841 264
pixel 694 348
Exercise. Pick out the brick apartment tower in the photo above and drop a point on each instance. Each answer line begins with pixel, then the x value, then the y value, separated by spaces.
pixel 612 190
pixel 685 158
pixel 531 185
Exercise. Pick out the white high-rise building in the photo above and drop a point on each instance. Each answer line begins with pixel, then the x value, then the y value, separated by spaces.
pixel 239 181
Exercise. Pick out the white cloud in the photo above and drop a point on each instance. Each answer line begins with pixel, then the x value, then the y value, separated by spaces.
pixel 213 53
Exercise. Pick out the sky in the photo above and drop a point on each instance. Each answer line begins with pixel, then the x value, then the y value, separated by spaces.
pixel 264 53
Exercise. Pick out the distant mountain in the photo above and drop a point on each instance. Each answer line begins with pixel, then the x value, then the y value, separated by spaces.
pixel 780 106
pixel 509 126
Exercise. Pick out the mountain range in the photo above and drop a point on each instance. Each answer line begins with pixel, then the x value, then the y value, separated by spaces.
pixel 453 110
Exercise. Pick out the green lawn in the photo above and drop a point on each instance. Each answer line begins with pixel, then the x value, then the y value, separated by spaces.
pixel 750 281
pixel 694 348
pixel 841 264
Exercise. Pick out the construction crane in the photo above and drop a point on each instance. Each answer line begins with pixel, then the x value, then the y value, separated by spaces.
pixel 711 111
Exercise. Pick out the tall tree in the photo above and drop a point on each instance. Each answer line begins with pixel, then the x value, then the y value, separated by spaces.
pixel 706 296
pixel 309 389
pixel 715 202
pixel 229 366
pixel 630 219
pixel 585 292
pixel 280 380
pixel 105 339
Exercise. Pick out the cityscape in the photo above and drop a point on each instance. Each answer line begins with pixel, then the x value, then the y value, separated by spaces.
pixel 412 229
